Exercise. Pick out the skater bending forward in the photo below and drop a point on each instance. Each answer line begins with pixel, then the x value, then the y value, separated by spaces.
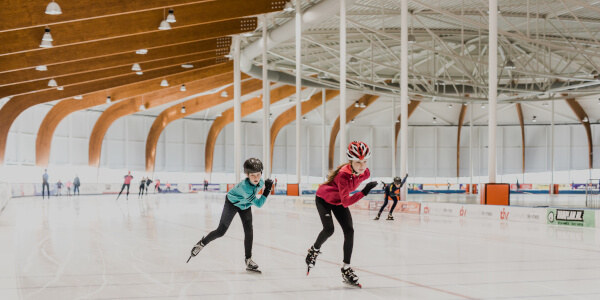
pixel 333 198
pixel 390 192
pixel 239 200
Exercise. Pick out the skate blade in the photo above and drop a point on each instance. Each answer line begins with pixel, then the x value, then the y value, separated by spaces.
pixel 254 271
pixel 355 285
pixel 188 259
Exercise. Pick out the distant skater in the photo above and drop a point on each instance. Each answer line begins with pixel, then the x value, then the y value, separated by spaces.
pixel 126 183
pixel 142 187
pixel 390 192
pixel 45 184
pixel 59 186
pixel 76 184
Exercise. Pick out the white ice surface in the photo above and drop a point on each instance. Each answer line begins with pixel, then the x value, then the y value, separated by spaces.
pixel 91 247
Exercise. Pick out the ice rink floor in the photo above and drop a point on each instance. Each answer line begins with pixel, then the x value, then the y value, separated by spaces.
pixel 91 247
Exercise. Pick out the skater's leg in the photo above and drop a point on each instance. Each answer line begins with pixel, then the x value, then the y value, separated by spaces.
pixel 324 210
pixel 246 216
pixel 229 211
pixel 344 217
pixel 127 190
pixel 122 188
pixel 393 206
pixel 385 202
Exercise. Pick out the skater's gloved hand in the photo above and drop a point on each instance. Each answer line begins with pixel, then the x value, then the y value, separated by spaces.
pixel 267 189
pixel 369 187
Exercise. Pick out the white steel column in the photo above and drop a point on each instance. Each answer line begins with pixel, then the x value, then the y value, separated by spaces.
pixel 266 107
pixel 552 152
pixel 266 104
pixel 323 137
pixel 493 87
pixel 298 87
pixel 343 143
pixel 237 110
pixel 471 148
pixel 393 136
pixel 403 91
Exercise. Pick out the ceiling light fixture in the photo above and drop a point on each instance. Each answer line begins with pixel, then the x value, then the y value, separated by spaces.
pixel 60 88
pixel 139 73
pixel 182 88
pixel 482 105
pixel 449 105
pixel 412 39
pixel 545 104
pixel 434 120
pixel 352 121
pixel 219 115
pixel 108 100
pixel 183 109
pixel 353 60
pixel 187 66
pixel 41 68
pixel 46 39
pixel 510 65
pixel 164 82
pixel 136 67
pixel 498 8
pixel 78 97
pixel 52 83
pixel 305 119
pixel 247 34
pixel 356 104
pixel 53 9
pixel 164 25
pixel 141 51
pixel 585 119
pixel 142 107
pixel 224 94
pixel 534 119
pixel 171 17
pixel 323 75
pixel 362 105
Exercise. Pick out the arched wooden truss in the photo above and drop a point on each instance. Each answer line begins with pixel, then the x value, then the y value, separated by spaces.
pixel 351 113
pixel 522 123
pixel 290 115
pixel 585 121
pixel 192 106
pixel 131 106
pixel 124 88
pixel 461 120
pixel 248 107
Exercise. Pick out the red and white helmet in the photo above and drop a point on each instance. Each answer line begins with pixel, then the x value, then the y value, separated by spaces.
pixel 358 151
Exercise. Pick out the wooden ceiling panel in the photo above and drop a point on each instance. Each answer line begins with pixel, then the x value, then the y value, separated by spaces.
pixel 69 80
pixel 112 61
pixel 120 88
pixel 131 24
pixel 124 44
pixel 30 13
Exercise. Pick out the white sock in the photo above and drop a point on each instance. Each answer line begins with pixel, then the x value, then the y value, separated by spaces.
pixel 346 266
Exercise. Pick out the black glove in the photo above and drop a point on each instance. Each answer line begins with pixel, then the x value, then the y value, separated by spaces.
pixel 369 187
pixel 267 189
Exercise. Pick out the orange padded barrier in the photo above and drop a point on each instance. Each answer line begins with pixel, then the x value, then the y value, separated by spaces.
pixel 495 194
pixel 292 189
pixel 230 186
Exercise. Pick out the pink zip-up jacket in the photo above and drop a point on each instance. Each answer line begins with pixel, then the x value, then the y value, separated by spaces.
pixel 338 191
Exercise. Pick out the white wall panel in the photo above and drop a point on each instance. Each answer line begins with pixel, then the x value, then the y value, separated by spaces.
pixel 174 132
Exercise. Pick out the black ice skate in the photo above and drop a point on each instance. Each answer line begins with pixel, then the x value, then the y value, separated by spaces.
pixel 252 266
pixel 196 249
pixel 350 278
pixel 390 217
pixel 311 258
pixel 377 218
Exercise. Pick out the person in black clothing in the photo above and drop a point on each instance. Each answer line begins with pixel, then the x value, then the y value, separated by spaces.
pixel 148 182
pixel 76 184
pixel 205 185
pixel 45 184
pixel 142 187
pixel 59 186
pixel 390 192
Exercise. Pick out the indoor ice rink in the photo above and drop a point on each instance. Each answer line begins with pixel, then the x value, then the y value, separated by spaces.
pixel 303 149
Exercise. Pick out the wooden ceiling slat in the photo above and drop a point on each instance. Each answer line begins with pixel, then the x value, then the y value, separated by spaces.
pixel 125 44
pixel 132 105
pixel 131 24
pixel 119 88
pixel 28 13
pixel 582 116
pixel 67 81
pixel 192 106
pixel 105 62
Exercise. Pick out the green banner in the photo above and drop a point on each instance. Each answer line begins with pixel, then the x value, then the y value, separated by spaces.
pixel 571 217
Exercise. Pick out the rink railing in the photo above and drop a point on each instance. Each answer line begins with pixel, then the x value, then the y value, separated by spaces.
pixel 592 193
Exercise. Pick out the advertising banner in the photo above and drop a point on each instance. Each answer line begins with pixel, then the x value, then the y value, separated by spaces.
pixel 410 207
pixel 572 217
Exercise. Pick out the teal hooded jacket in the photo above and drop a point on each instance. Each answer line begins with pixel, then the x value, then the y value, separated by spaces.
pixel 245 194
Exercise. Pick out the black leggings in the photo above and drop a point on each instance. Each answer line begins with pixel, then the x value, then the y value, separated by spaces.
pixel 342 214
pixel 385 204
pixel 75 190
pixel 45 186
pixel 229 211
pixel 141 192
pixel 122 188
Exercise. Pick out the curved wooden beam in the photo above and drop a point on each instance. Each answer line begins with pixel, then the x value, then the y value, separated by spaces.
pixel 124 25
pixel 461 119
pixel 67 53
pixel 192 106
pixel 248 107
pixel 522 122
pixel 412 106
pixel 128 86
pixel 221 47
pixel 131 106
pixel 65 107
pixel 582 115
pixel 351 113
pixel 289 115
pixel 70 80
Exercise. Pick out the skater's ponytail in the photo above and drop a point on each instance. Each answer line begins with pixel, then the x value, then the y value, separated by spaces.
pixel 333 174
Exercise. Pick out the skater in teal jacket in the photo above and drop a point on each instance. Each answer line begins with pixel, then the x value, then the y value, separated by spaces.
pixel 239 200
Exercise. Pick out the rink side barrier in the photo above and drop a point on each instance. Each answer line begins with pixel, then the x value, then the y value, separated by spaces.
pixel 495 194
pixel 5 195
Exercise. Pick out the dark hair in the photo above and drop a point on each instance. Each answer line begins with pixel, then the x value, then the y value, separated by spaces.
pixel 333 174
